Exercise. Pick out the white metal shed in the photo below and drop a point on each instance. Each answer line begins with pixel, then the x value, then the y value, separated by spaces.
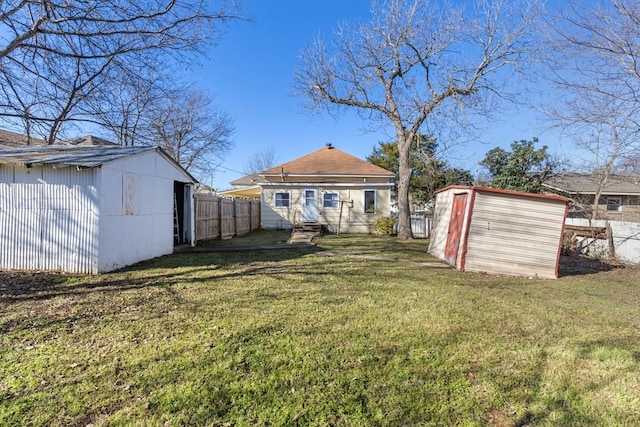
pixel 498 231
pixel 91 209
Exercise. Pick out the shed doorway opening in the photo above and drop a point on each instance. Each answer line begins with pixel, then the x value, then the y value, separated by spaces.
pixel 178 213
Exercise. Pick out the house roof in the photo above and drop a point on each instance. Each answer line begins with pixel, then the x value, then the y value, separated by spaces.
pixel 14 139
pixel 253 192
pixel 88 140
pixel 577 183
pixel 86 156
pixel 328 161
pixel 245 181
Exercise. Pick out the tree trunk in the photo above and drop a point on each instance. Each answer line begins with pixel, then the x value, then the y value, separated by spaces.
pixel 404 172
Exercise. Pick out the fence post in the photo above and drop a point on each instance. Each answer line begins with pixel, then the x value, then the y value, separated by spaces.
pixel 235 217
pixel 220 219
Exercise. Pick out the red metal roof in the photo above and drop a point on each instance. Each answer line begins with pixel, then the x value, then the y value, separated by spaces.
pixel 510 192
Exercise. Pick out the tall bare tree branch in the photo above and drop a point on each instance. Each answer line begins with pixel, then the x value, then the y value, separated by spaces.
pixel 595 70
pixel 56 54
pixel 418 64
pixel 195 133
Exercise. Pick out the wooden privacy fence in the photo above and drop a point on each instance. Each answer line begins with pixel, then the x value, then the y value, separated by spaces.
pixel 223 218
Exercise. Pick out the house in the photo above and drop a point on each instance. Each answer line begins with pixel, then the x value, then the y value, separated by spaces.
pixel 498 231
pixel 91 209
pixel 328 187
pixel 619 201
pixel 14 139
pixel 245 187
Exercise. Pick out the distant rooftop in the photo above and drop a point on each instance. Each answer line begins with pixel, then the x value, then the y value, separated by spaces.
pixel 14 139
pixel 246 181
pixel 578 183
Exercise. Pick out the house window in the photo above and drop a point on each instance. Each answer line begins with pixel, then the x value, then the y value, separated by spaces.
pixel 283 200
pixel 614 204
pixel 369 201
pixel 330 200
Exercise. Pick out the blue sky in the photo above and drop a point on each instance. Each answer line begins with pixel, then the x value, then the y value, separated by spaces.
pixel 250 75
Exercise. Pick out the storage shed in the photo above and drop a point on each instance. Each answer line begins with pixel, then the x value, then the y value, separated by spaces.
pixel 498 231
pixel 91 209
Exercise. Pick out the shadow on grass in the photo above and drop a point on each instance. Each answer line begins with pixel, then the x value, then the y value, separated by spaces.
pixel 576 265
pixel 152 280
pixel 159 272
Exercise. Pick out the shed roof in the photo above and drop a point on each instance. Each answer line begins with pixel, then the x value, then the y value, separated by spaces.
pixel 507 192
pixel 328 161
pixel 579 183
pixel 86 156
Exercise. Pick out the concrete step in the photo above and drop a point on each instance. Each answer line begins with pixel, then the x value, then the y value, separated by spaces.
pixel 303 236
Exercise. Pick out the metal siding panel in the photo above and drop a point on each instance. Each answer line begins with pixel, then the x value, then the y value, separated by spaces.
pixel 68 227
pixel 514 235
pixel 49 220
pixel 20 219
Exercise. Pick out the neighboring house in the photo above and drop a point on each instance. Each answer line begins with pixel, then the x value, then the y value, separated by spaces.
pixel 328 187
pixel 498 231
pixel 14 139
pixel 246 187
pixel 620 199
pixel 91 209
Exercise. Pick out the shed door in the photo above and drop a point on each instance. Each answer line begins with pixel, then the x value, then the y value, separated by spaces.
pixel 310 205
pixel 455 228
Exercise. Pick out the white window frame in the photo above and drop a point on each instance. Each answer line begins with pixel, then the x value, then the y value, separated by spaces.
pixel 334 201
pixel 375 201
pixel 611 201
pixel 275 199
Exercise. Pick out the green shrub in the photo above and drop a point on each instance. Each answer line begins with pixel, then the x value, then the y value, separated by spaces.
pixel 383 226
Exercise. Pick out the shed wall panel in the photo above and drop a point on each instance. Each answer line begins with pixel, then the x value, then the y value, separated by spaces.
pixel 163 167
pixel 48 218
pixel 514 235
pixel 136 212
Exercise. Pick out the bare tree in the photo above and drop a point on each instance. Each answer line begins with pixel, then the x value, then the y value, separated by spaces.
pixel 127 113
pixel 260 160
pixel 630 165
pixel 55 54
pixel 596 72
pixel 192 131
pixel 417 65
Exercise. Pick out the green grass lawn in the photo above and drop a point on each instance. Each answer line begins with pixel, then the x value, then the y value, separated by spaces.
pixel 310 337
